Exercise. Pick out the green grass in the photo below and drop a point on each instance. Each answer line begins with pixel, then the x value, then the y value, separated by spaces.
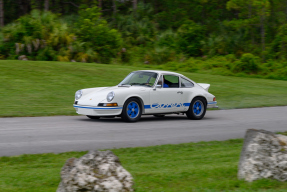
pixel 203 166
pixel 41 88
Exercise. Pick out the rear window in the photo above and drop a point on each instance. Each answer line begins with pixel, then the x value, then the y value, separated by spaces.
pixel 186 83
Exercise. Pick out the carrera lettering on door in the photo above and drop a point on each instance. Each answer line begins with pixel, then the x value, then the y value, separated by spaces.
pixel 173 105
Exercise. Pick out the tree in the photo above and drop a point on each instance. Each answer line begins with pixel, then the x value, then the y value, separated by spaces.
pixel 1 14
pixel 114 10
pixel 135 5
pixel 252 13
pixel 46 5
pixel 100 4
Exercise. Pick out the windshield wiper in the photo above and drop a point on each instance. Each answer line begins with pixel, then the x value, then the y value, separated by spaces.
pixel 124 85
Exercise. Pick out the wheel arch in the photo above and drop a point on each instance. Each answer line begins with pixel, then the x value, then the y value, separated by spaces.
pixel 200 96
pixel 141 102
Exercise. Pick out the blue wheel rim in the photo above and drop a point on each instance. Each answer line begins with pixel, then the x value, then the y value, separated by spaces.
pixel 133 110
pixel 198 108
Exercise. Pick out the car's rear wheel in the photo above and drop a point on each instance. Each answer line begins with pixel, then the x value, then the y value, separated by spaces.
pixel 93 117
pixel 132 110
pixel 197 108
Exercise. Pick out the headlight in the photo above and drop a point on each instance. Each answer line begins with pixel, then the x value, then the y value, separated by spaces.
pixel 78 94
pixel 110 96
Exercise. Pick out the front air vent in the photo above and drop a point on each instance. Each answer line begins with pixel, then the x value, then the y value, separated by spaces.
pixel 100 104
pixel 76 102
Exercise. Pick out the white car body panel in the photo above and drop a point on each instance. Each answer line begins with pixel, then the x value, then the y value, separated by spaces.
pixel 153 100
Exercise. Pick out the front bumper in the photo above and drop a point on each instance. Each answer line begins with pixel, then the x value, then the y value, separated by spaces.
pixel 212 104
pixel 97 111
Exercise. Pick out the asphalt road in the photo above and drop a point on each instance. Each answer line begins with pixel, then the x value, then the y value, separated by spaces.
pixel 28 135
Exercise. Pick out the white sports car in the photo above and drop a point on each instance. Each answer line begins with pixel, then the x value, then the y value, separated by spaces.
pixel 146 92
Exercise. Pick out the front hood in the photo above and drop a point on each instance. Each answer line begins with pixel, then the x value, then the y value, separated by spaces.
pixel 94 96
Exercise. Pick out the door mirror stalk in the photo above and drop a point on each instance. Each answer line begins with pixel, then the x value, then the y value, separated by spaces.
pixel 157 86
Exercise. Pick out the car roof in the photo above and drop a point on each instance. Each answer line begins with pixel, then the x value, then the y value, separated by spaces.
pixel 160 72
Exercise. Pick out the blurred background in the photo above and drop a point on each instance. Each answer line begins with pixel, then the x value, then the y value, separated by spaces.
pixel 225 37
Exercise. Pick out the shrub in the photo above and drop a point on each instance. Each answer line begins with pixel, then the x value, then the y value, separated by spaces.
pixel 95 32
pixel 137 29
pixel 248 63
pixel 190 37
pixel 39 35
pixel 160 55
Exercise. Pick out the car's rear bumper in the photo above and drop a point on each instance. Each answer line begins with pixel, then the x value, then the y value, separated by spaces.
pixel 212 104
pixel 98 111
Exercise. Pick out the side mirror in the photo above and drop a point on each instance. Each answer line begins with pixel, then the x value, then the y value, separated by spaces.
pixel 157 86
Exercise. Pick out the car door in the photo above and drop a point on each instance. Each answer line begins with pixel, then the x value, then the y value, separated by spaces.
pixel 167 98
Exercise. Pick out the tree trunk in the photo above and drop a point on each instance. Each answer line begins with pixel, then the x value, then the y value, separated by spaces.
pixel 262 27
pixel 135 5
pixel 1 13
pixel 46 7
pixel 100 4
pixel 23 4
pixel 114 10
pixel 251 28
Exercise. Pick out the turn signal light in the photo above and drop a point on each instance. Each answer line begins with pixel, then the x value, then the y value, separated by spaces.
pixel 214 99
pixel 110 104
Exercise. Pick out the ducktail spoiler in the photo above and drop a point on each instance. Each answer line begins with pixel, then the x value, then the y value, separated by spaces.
pixel 204 86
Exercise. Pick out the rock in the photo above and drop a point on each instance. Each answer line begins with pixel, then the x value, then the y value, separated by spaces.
pixel 23 57
pixel 264 155
pixel 93 172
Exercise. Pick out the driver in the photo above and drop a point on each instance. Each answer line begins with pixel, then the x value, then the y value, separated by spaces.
pixel 164 84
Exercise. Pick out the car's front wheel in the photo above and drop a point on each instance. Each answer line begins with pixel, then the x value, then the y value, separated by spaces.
pixel 196 109
pixel 93 117
pixel 132 110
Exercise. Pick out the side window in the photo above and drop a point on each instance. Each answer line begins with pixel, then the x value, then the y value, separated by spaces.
pixel 186 83
pixel 170 81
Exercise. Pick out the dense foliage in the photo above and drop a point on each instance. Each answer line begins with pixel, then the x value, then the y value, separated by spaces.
pixel 248 36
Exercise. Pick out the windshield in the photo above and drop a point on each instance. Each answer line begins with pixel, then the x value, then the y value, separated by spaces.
pixel 140 78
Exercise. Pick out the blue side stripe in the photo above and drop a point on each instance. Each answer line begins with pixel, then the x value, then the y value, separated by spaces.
pixel 105 108
pixel 212 103
pixel 186 104
pixel 168 106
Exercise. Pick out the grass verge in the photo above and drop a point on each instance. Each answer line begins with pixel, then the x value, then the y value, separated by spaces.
pixel 203 166
pixel 42 88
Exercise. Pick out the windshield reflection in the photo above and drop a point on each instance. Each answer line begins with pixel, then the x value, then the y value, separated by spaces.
pixel 140 78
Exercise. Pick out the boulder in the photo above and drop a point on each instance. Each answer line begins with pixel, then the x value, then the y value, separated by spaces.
pixel 95 171
pixel 264 155
pixel 23 57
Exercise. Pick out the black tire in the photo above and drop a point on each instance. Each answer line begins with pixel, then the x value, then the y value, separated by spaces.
pixel 197 108
pixel 132 110
pixel 160 116
pixel 93 117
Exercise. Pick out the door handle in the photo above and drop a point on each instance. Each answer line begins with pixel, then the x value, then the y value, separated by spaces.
pixel 180 92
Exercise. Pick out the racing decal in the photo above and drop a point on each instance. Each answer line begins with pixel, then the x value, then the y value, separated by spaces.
pixel 147 107
pixel 163 106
